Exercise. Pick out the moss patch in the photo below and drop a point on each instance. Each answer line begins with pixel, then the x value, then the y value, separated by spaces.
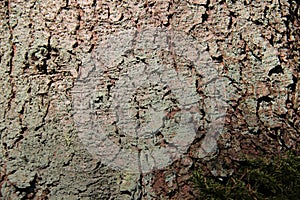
pixel 259 178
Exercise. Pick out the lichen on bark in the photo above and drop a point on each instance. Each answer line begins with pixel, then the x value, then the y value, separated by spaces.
pixel 254 45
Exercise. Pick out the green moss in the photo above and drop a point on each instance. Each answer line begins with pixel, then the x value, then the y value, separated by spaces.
pixel 259 178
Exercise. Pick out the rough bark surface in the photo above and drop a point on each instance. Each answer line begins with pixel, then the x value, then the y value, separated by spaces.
pixel 255 48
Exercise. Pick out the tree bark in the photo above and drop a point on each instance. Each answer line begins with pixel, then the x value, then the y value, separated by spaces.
pixel 45 45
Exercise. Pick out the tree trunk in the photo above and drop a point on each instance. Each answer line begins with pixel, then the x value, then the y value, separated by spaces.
pixel 86 83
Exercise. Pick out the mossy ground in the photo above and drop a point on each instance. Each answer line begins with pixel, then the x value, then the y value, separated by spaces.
pixel 277 177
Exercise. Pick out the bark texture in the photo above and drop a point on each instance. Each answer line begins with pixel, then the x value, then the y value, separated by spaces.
pixel 253 44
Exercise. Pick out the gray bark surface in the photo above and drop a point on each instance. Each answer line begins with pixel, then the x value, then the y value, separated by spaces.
pixel 254 46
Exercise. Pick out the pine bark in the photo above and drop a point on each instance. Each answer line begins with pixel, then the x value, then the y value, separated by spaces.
pixel 254 45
